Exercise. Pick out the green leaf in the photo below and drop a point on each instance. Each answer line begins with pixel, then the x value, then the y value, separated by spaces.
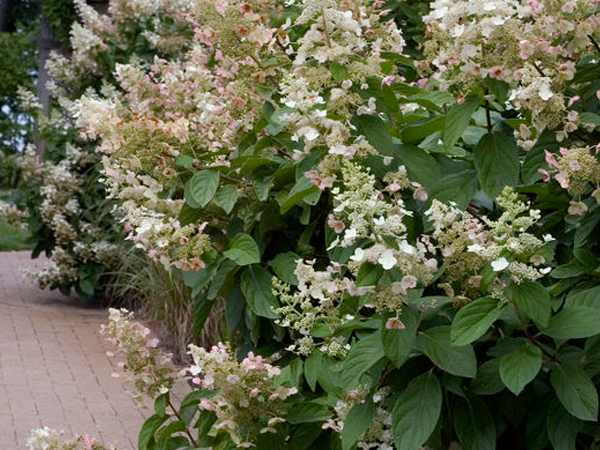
pixel 591 118
pixel 184 161
pixel 458 119
pixel 574 322
pixel 256 286
pixel 457 187
pixel 160 404
pixel 435 343
pixel 262 187
pixel 308 412
pixel 363 355
pixel 417 131
pixel 312 367
pixel 358 420
pixel 146 436
pixel 534 300
pixel 474 424
pixel 420 165
pixel 520 367
pixel 377 133
pixel 284 266
pixel 338 71
pixel 369 274
pixel 226 197
pixel 243 250
pixel 488 381
pixel 562 427
pixel 303 436
pixel 576 391
pixel 302 189
pixel 201 188
pixel 497 163
pixel 473 320
pixel 589 297
pixel 397 344
pixel 416 412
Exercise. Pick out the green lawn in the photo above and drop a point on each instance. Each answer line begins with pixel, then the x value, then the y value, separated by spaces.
pixel 12 238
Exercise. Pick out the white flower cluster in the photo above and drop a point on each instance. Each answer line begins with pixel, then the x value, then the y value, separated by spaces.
pixel 13 215
pixel 146 369
pixel 468 244
pixel 314 304
pixel 531 45
pixel 379 433
pixel 48 439
pixel 248 402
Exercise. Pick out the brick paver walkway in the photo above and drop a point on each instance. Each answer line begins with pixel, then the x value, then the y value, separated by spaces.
pixel 53 367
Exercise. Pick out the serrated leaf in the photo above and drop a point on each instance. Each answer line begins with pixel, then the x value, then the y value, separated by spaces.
pixel 473 320
pixel 589 297
pixel 356 423
pixel 284 266
pixel 520 367
pixel 397 344
pixel 435 343
pixel 256 287
pixel 574 322
pixel 307 412
pixel 497 163
pixel 474 424
pixel 488 381
pixel 576 391
pixel 226 197
pixel 301 190
pixel 562 427
pixel 312 367
pixel 534 300
pixel 243 250
pixel 376 132
pixel 363 355
pixel 416 412
pixel 458 119
pixel 201 188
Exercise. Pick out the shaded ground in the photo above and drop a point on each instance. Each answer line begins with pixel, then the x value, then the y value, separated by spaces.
pixel 53 368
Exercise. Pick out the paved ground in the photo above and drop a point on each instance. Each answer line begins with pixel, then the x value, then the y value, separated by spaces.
pixel 53 368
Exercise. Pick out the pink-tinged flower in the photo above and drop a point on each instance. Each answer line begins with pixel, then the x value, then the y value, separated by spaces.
pixel 550 159
pixel 110 172
pixel 336 225
pixel 563 151
pixel 321 182
pixel 420 194
pixel 563 179
pixel 545 175
pixel 254 392
pixel 577 208
pixel 389 80
pixel 128 227
pixel 152 343
pixel 393 323
pixel 460 99
pixel 573 100
pixel 575 165
pixel 496 72
pixel 598 94
pixel 394 187
pixel 422 81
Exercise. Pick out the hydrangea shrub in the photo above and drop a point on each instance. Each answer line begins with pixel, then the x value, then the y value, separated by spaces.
pixel 407 246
